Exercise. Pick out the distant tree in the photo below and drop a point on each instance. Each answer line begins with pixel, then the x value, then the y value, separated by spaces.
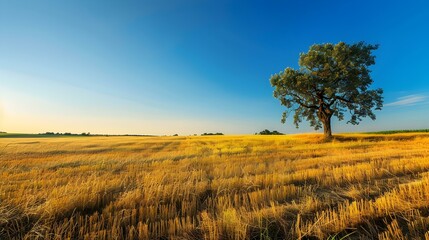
pixel 265 132
pixel 332 79
pixel 268 132
pixel 210 134
pixel 175 135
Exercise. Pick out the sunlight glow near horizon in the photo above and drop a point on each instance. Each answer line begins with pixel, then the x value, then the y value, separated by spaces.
pixel 166 68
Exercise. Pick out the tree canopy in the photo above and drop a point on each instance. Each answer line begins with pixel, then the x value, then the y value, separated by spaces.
pixel 333 79
pixel 268 132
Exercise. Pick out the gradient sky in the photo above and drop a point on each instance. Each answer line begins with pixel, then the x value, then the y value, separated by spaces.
pixel 165 67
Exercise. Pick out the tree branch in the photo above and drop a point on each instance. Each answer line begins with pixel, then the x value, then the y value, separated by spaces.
pixel 299 101
pixel 335 98
pixel 343 99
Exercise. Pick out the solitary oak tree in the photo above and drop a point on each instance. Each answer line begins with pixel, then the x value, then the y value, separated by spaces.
pixel 332 79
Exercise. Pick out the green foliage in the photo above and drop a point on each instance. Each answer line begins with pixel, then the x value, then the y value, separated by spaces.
pixel 210 134
pixel 332 79
pixel 268 132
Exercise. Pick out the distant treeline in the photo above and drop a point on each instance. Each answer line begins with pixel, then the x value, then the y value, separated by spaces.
pixel 398 131
pixel 268 132
pixel 66 133
pixel 89 134
pixel 209 134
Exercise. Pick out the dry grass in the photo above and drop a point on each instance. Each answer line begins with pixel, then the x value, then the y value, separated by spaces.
pixel 217 187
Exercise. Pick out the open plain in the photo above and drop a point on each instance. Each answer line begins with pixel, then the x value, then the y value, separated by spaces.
pixel 359 186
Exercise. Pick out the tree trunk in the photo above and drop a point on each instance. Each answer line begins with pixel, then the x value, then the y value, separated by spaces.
pixel 327 128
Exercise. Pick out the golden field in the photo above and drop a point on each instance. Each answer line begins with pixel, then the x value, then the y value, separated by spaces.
pixel 358 186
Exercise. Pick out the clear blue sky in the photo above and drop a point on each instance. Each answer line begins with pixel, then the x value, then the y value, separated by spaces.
pixel 165 67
